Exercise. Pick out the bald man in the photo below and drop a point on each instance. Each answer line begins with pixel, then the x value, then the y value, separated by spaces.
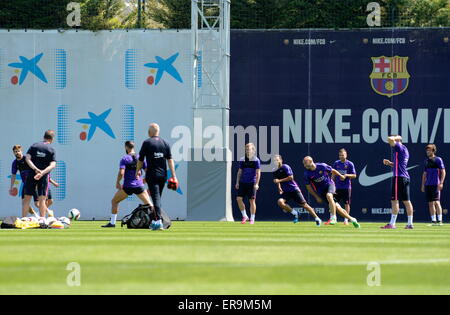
pixel 157 154
pixel 318 175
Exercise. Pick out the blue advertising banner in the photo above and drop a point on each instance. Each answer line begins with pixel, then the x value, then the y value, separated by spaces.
pixel 313 92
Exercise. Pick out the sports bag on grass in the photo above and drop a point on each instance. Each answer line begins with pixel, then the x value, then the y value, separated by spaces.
pixel 142 216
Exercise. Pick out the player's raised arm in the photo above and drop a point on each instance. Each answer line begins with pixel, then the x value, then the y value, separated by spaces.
pixel 392 140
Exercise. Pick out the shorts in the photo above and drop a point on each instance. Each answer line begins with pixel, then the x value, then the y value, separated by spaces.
pixel 247 190
pixel 344 196
pixel 432 193
pixel 35 196
pixel 295 195
pixel 133 190
pixel 36 186
pixel 330 190
pixel 400 189
pixel 49 194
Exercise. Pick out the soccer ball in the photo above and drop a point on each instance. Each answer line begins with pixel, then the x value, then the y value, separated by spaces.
pixel 64 221
pixel 74 214
pixel 51 220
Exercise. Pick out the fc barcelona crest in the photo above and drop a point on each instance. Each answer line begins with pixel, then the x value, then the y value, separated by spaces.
pixel 389 75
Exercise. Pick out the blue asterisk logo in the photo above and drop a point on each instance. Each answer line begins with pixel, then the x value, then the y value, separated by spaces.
pixel 97 122
pixel 29 65
pixel 165 65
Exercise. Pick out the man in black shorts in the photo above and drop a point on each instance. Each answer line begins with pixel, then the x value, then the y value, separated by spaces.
pixel 41 158
pixel 156 152
pixel 400 182
pixel 20 165
pixel 433 182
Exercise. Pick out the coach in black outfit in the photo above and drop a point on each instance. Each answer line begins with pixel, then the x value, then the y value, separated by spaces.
pixel 41 158
pixel 156 151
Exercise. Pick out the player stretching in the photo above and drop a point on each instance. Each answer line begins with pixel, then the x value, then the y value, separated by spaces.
pixel 247 181
pixel 157 154
pixel 288 189
pixel 400 181
pixel 41 158
pixel 19 164
pixel 318 175
pixel 131 185
pixel 344 186
pixel 433 183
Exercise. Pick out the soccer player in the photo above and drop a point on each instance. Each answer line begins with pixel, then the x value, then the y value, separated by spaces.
pixel 318 175
pixel 433 182
pixel 41 158
pixel 400 181
pixel 344 186
pixel 289 190
pixel 19 164
pixel 247 182
pixel 131 184
pixel 157 154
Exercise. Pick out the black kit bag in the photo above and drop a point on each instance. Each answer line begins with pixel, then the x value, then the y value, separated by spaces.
pixel 142 217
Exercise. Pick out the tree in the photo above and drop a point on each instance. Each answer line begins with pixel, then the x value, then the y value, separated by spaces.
pixel 175 14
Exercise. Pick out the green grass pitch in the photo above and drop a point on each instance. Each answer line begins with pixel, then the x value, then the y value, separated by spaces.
pixel 227 258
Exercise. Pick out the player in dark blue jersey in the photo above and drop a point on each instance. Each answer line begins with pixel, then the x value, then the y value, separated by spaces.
pixel 131 184
pixel 319 183
pixel 20 165
pixel 400 181
pixel 344 185
pixel 433 182
pixel 288 189
pixel 247 182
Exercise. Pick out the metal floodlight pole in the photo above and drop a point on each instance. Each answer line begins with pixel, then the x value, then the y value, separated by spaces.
pixel 139 14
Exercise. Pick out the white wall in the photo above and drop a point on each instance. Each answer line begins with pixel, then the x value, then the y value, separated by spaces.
pixel 96 81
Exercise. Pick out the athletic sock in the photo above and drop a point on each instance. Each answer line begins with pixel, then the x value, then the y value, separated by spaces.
pixel 393 219
pixel 346 220
pixel 317 219
pixel 439 217
pixel 410 220
pixel 294 213
pixel 252 217
pixel 113 218
pixel 352 220
pixel 333 218
pixel 433 218
pixel 244 213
